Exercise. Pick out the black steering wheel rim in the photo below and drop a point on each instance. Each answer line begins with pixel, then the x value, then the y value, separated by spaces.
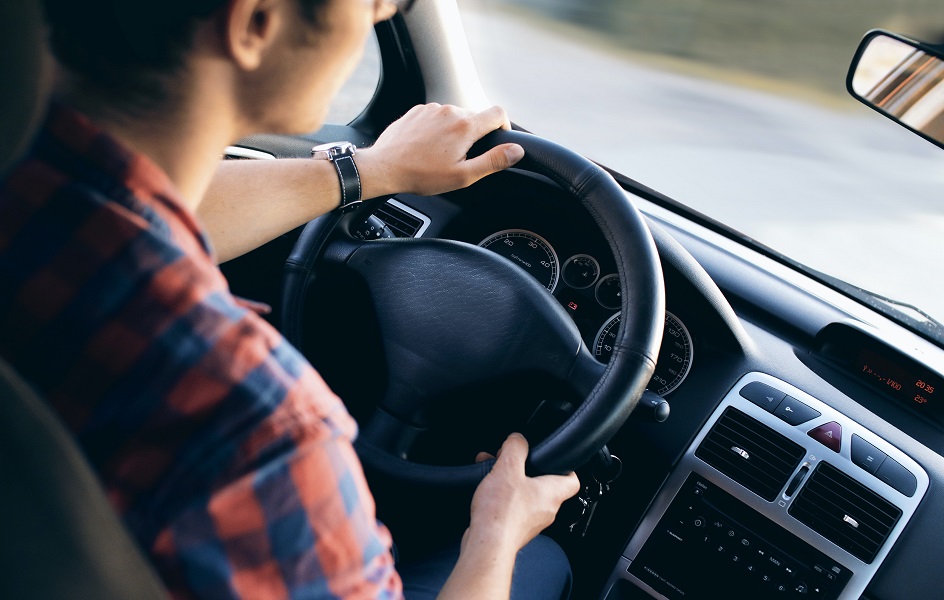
pixel 611 397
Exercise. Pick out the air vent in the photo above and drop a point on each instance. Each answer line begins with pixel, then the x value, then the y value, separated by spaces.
pixel 845 512
pixel 401 219
pixel 243 153
pixel 750 453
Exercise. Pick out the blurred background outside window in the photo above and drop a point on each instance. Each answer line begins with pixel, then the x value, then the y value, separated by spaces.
pixel 738 109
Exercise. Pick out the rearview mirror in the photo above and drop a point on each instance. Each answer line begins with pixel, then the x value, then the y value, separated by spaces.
pixel 902 79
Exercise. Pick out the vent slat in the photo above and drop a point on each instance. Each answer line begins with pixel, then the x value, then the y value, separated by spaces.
pixel 741 429
pixel 861 499
pixel 770 457
pixel 830 496
pixel 747 478
pixel 774 459
pixel 400 222
pixel 857 546
pixel 830 512
pixel 724 454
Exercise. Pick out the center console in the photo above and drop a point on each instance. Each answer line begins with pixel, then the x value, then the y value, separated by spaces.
pixel 779 496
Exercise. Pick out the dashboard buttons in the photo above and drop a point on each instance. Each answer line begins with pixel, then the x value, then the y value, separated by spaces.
pixel 828 434
pixel 762 395
pixel 737 551
pixel 897 476
pixel 788 408
pixel 866 455
pixel 795 412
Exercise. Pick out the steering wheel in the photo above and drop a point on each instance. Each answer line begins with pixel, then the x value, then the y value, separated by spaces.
pixel 454 314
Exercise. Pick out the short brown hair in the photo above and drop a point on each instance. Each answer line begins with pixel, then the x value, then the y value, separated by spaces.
pixel 127 48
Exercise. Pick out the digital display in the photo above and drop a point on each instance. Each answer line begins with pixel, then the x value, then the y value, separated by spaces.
pixel 918 389
pixel 899 377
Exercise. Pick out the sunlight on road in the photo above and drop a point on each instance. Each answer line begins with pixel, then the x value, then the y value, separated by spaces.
pixel 839 189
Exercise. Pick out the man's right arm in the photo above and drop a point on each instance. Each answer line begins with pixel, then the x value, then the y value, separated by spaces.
pixel 508 510
pixel 424 152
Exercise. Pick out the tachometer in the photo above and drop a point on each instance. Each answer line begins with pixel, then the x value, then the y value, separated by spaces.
pixel 675 357
pixel 529 251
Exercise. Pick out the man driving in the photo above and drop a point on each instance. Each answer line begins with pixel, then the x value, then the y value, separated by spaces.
pixel 227 456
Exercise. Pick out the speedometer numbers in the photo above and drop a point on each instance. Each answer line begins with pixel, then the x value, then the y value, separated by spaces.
pixel 675 356
pixel 529 251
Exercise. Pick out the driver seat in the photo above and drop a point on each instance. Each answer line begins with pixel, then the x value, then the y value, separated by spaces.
pixel 61 538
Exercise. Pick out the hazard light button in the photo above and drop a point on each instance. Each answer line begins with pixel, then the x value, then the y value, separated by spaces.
pixel 828 434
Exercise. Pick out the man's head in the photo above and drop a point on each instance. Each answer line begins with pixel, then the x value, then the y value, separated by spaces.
pixel 141 56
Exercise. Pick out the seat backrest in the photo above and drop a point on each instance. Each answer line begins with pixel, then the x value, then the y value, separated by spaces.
pixel 59 537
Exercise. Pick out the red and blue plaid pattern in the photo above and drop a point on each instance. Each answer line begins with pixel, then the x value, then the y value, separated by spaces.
pixel 228 457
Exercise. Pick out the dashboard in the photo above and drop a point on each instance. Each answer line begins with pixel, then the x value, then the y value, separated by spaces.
pixel 753 355
pixel 579 277
pixel 778 495
pixel 579 282
pixel 540 231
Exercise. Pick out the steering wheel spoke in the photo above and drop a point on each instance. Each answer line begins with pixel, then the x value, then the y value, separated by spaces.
pixel 585 374
pixel 389 433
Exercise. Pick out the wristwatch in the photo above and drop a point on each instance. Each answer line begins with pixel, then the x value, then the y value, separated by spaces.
pixel 341 154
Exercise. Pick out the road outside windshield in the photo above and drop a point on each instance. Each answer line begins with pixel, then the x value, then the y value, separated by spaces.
pixel 738 109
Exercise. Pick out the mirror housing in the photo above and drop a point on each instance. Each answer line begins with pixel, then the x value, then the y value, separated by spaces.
pixel 902 79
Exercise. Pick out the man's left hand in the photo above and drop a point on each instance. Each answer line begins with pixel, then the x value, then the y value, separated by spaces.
pixel 424 152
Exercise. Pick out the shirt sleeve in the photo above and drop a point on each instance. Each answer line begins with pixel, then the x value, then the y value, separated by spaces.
pixel 300 525
pixel 227 456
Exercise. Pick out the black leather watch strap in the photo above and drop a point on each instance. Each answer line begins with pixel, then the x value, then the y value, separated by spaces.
pixel 341 154
pixel 350 183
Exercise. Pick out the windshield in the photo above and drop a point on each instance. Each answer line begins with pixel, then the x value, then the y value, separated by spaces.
pixel 737 109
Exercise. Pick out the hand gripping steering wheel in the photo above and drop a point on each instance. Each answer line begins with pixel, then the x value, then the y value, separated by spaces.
pixel 453 314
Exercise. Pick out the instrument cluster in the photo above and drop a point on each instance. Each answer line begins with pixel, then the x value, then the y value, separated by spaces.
pixel 593 299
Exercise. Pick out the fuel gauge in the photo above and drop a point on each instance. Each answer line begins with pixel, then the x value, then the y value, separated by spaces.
pixel 581 271
pixel 608 292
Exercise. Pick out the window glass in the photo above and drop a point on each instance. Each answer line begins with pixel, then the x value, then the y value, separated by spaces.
pixel 359 89
pixel 738 109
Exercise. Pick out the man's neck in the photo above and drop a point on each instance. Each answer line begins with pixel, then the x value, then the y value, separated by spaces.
pixel 185 140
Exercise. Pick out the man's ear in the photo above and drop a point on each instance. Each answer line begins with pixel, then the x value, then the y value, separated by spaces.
pixel 251 27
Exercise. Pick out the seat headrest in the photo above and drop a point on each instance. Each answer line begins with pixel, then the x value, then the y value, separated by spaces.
pixel 25 75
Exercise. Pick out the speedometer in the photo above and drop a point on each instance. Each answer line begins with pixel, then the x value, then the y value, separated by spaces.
pixel 529 251
pixel 675 356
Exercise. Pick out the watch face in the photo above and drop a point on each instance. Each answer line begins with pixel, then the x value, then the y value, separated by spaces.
pixel 333 149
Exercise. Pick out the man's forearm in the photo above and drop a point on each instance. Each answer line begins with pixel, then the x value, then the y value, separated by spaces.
pixel 251 202
pixel 483 571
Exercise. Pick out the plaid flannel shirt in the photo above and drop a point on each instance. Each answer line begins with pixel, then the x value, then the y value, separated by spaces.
pixel 225 453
